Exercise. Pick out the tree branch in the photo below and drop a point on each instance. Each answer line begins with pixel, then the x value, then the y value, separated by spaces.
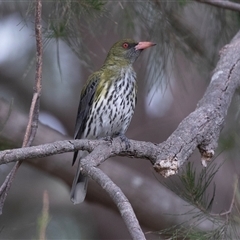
pixel 119 199
pixel 100 150
pixel 150 200
pixel 222 4
pixel 35 105
pixel 203 126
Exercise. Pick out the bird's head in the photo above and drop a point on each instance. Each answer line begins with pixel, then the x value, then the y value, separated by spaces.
pixel 126 51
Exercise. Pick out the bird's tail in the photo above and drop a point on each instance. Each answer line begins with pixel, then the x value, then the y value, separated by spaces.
pixel 79 186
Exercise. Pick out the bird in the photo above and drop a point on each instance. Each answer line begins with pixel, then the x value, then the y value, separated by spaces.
pixel 107 103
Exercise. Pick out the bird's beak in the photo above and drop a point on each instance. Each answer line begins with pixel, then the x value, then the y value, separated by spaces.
pixel 144 45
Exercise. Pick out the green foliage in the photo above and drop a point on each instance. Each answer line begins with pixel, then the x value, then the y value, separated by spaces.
pixel 90 5
pixel 196 186
pixel 193 187
pixel 69 20
pixel 166 23
pixel 183 2
pixel 66 16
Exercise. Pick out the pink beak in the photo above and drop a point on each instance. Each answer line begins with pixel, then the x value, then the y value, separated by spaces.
pixel 144 45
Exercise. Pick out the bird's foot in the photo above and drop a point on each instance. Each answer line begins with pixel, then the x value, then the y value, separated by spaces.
pixel 125 140
pixel 107 139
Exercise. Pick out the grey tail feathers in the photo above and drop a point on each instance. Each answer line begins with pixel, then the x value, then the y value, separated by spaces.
pixel 79 187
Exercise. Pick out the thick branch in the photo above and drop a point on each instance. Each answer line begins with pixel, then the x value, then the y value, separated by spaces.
pixel 203 126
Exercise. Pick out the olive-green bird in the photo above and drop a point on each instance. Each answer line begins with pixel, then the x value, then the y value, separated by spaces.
pixel 107 102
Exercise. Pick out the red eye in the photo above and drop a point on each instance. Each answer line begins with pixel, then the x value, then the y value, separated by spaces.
pixel 125 45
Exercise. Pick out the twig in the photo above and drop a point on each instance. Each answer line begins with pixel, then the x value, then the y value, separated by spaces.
pixel 233 199
pixel 229 211
pixel 222 4
pixel 44 218
pixel 34 109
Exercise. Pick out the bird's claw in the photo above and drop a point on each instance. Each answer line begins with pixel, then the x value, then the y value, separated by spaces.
pixel 107 139
pixel 125 140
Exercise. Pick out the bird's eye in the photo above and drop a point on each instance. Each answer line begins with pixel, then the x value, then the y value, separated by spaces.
pixel 125 45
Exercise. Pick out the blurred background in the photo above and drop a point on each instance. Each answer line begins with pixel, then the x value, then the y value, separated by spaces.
pixel 172 78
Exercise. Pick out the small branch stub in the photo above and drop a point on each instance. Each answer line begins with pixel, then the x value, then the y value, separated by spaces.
pixel 206 156
pixel 167 167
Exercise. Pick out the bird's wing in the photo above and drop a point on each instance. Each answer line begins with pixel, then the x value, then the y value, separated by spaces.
pixel 86 99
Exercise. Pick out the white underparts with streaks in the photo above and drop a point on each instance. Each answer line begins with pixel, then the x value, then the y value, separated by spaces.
pixel 111 114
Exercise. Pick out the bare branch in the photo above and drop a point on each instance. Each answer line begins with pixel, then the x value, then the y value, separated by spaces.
pixel 119 199
pixel 100 150
pixel 222 4
pixel 34 109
